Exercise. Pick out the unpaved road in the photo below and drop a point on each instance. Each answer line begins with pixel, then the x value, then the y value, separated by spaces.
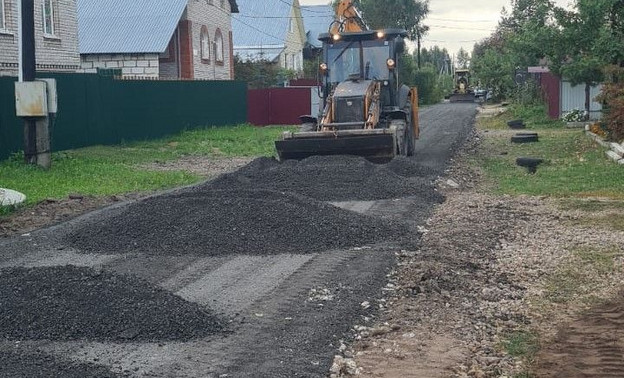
pixel 271 312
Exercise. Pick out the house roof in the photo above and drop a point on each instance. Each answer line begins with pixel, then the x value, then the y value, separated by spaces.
pixel 316 19
pixel 261 22
pixel 122 26
pixel 254 54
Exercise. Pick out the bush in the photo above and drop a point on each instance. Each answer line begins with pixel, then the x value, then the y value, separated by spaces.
pixel 612 96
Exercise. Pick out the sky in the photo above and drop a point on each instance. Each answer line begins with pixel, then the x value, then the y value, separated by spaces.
pixel 458 23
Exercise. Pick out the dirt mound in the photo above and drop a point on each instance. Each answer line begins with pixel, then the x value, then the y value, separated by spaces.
pixel 592 346
pixel 40 365
pixel 334 178
pixel 219 222
pixel 71 303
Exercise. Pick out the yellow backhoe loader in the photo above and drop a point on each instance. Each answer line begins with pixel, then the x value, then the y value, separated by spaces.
pixel 366 110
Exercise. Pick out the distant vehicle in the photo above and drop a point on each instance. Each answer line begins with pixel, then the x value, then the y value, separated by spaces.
pixel 462 91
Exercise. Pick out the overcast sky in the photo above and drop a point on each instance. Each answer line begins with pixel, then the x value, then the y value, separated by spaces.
pixel 458 23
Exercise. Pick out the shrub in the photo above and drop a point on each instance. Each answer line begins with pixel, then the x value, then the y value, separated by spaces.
pixel 612 96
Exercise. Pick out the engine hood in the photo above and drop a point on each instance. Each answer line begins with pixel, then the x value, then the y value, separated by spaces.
pixel 353 88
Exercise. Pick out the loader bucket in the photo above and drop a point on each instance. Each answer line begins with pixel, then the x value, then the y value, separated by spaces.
pixel 374 145
pixel 465 97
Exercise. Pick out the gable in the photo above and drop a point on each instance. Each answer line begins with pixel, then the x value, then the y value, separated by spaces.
pixel 124 26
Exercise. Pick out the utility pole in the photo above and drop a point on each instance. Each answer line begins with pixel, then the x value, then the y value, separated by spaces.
pixel 35 100
pixel 27 73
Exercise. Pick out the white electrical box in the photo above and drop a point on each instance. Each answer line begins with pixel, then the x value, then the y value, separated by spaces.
pixel 31 99
pixel 52 96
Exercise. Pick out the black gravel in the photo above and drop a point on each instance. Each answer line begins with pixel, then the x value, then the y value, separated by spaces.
pixel 15 364
pixel 73 303
pixel 220 222
pixel 334 178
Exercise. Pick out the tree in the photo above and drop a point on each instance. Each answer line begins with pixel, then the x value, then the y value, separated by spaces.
pixel 463 58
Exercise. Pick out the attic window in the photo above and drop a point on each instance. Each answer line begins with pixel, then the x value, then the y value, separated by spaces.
pixel 291 25
pixel 47 9
pixel 205 44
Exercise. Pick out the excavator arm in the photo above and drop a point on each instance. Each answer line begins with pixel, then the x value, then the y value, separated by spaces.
pixel 348 19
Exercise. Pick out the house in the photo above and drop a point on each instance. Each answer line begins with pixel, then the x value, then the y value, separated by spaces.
pixel 270 30
pixel 158 39
pixel 56 41
pixel 562 97
pixel 317 19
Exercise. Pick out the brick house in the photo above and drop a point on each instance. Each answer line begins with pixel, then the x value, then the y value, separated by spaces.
pixel 270 30
pixel 159 39
pixel 56 41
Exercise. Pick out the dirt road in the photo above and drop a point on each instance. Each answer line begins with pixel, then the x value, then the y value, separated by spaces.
pixel 275 274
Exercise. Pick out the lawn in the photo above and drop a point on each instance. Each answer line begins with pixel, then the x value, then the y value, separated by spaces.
pixel 109 170
pixel 574 165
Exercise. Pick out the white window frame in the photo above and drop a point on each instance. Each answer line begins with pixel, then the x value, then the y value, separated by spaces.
pixel 48 25
pixel 3 25
pixel 206 46
pixel 219 47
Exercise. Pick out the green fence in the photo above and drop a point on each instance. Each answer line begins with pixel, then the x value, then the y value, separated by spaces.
pixel 96 109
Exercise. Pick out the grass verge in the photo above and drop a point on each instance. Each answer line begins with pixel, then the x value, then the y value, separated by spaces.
pixel 574 165
pixel 110 170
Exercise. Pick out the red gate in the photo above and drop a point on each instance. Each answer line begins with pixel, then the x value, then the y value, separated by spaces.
pixel 278 106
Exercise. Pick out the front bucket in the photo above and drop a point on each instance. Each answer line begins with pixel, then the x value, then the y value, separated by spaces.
pixel 379 147
pixel 466 97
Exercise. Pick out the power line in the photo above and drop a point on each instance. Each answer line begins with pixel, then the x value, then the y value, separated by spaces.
pixel 456 20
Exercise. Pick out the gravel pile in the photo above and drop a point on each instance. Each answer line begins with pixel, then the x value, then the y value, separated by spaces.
pixel 334 178
pixel 72 303
pixel 220 222
pixel 40 365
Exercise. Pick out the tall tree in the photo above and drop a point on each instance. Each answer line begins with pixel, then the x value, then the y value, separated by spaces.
pixel 463 58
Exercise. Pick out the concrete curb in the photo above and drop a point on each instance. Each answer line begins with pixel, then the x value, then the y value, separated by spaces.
pixel 10 197
pixel 616 150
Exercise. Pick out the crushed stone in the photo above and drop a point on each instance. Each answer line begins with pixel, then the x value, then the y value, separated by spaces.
pixel 75 303
pixel 222 222
pixel 17 364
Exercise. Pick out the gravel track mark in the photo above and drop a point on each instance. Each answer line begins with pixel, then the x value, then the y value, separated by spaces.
pixel 219 222
pixel 86 304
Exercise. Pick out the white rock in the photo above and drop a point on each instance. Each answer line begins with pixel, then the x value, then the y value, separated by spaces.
pixel 10 197
pixel 452 183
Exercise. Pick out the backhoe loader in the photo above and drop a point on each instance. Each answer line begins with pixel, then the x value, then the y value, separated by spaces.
pixel 366 110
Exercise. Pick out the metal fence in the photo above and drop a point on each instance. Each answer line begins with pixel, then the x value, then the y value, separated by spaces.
pixel 97 109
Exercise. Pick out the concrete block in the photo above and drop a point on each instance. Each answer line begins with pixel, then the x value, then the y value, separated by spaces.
pixel 129 63
pixel 143 63
pixel 99 64
pixel 137 70
pixel 151 71
pixel 618 149
pixel 111 64
pixel 86 65
pixel 613 156
pixel 153 63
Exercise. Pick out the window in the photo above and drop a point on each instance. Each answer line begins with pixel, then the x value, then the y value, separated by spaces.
pixel 218 47
pixel 3 18
pixel 205 44
pixel 48 17
pixel 291 25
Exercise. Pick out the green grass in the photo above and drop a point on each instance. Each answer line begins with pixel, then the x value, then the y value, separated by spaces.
pixel 574 166
pixel 535 117
pixel 109 170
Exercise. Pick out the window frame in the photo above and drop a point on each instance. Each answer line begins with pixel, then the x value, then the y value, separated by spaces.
pixel 45 24
pixel 205 45
pixel 3 18
pixel 219 48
